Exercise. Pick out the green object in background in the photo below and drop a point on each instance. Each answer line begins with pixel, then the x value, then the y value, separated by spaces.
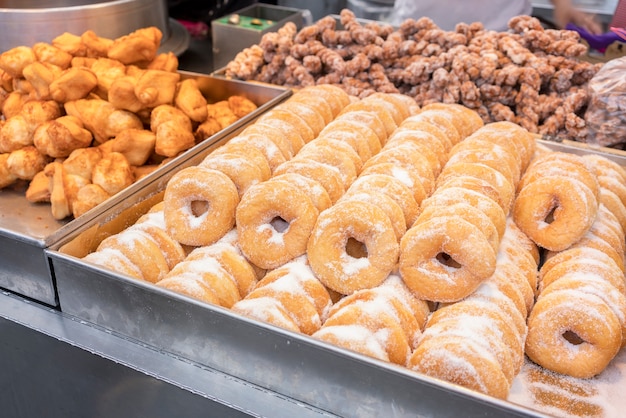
pixel 246 22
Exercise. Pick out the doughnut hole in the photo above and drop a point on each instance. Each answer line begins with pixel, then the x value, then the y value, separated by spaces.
pixel 572 338
pixel 199 207
pixel 279 224
pixel 448 261
pixel 355 248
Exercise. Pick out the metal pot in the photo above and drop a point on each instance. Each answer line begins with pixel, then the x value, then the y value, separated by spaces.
pixel 25 22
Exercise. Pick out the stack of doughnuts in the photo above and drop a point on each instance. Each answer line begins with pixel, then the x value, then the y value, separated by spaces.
pixel 290 297
pixel 355 242
pixel 578 324
pixel 557 200
pixel 216 274
pixel 478 342
pixel 452 246
pixel 144 250
pixel 383 322
pixel 275 218
pixel 200 201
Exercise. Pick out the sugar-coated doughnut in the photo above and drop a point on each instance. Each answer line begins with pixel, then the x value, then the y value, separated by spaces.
pixel 265 145
pixel 383 109
pixel 393 188
pixel 249 152
pixel 327 175
pixel 336 97
pixel 307 112
pixel 231 260
pixel 354 337
pixel 173 252
pixel 377 319
pixel 199 205
pixel 283 143
pixel 191 286
pixel 445 258
pixel 212 274
pixel 341 146
pixel 504 187
pixel 288 116
pixel 445 196
pixel 406 175
pixel 573 333
pixel 441 119
pixel 360 136
pixel 462 362
pixel 142 250
pixel 243 172
pixel 368 119
pixel 266 309
pixel 555 211
pixel 115 260
pixel 422 142
pixel 334 157
pixel 387 204
pixel 274 220
pixel 312 188
pixel 466 120
pixel 364 223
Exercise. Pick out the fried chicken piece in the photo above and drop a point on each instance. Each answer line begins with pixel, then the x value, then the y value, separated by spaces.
pixel 73 84
pixel 137 145
pixel 140 46
pixel 112 173
pixel 39 188
pixel 156 87
pixel 82 161
pixel 190 100
pixel 16 59
pixel 59 137
pixel 24 163
pixel 6 177
pixel 88 197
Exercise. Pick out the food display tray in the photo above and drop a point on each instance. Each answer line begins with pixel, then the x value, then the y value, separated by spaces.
pixel 339 381
pixel 26 229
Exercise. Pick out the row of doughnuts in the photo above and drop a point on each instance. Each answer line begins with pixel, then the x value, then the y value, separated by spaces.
pixel 200 201
pixel 578 324
pixel 290 297
pixel 144 251
pixel 383 322
pixel 478 342
pixel 470 203
pixel 275 218
pixel 355 243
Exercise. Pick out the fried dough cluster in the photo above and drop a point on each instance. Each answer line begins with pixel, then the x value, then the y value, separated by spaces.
pixel 83 117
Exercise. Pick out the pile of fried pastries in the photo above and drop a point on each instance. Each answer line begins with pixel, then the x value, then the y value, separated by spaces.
pixel 419 236
pixel 83 117
pixel 528 75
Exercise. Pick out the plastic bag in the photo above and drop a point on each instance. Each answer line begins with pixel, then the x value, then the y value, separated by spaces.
pixel 606 111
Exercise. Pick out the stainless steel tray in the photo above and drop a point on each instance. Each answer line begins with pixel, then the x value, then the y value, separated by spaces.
pixel 26 229
pixel 297 366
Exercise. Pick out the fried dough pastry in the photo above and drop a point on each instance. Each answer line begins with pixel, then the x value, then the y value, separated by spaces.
pixel 241 106
pixel 101 118
pixel 50 54
pixel 59 137
pixel 82 161
pixel 156 87
pixel 41 75
pixel 139 46
pixel 222 113
pixel 173 130
pixel 24 163
pixel 39 188
pixel 137 145
pixel 16 59
pixel 87 198
pixel 63 190
pixel 112 173
pixel 73 84
pixel 190 100
pixel 6 177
